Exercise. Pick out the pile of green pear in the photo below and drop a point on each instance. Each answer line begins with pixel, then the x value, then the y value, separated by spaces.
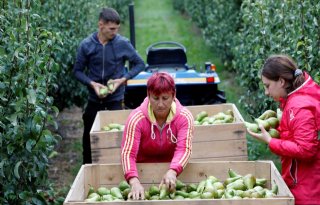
pixel 269 120
pixel 104 194
pixel 203 118
pixel 111 127
pixel 234 187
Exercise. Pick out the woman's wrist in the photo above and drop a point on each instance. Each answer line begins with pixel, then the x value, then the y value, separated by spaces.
pixel 134 180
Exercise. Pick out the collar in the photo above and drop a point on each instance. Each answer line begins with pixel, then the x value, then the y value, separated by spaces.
pixel 172 112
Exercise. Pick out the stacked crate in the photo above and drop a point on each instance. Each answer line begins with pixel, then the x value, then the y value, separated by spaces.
pixel 214 142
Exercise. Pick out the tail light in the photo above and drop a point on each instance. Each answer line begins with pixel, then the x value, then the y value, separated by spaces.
pixel 210 79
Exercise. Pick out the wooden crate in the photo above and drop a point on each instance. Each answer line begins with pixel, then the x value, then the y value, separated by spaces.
pixel 110 175
pixel 211 142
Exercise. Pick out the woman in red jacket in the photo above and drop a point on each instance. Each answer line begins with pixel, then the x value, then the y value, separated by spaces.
pixel 159 130
pixel 299 145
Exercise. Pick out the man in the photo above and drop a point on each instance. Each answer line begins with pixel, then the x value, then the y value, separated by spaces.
pixel 104 54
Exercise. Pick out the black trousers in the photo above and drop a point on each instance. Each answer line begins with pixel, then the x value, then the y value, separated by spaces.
pixel 88 119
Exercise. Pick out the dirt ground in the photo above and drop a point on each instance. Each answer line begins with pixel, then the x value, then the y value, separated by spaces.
pixel 64 167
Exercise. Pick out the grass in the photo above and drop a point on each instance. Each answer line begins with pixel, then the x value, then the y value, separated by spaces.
pixel 157 21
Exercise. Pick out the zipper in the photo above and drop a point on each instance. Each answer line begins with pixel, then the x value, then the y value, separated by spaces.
pixel 294 170
pixel 102 75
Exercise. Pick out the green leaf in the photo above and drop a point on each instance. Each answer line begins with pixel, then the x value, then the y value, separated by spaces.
pixel 32 96
pixel 16 169
pixel 1 168
pixel 13 119
pixel 29 145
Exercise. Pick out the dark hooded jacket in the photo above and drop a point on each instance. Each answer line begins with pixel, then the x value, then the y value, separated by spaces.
pixel 105 62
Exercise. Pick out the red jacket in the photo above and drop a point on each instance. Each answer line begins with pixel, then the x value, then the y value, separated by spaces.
pixel 299 146
pixel 144 141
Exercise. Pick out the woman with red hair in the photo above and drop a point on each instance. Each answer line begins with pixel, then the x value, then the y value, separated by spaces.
pixel 159 130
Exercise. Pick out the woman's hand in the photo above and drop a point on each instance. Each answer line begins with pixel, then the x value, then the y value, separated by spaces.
pixel 264 136
pixel 137 190
pixel 169 179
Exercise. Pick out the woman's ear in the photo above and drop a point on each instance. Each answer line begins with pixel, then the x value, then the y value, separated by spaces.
pixel 282 82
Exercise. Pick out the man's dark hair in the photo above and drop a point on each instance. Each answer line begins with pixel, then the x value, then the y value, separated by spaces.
pixel 109 15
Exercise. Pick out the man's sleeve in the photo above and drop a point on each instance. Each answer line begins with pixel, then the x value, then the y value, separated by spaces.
pixel 136 61
pixel 79 66
pixel 184 141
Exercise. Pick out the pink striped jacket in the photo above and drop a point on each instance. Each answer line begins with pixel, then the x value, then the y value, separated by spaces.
pixel 144 141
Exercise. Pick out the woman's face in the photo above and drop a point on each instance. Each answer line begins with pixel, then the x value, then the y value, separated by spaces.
pixel 274 89
pixel 161 104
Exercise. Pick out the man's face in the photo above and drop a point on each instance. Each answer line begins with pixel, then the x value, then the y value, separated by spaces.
pixel 108 29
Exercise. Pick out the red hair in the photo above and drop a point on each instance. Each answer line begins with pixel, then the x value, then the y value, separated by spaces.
pixel 160 83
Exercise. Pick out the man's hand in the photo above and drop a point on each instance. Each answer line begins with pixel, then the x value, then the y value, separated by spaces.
pixel 137 190
pixel 97 87
pixel 264 136
pixel 169 179
pixel 116 83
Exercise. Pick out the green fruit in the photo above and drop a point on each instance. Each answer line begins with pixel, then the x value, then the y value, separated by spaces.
pixel 103 191
pixel 201 115
pixel 191 187
pixel 93 199
pixel 93 195
pixel 114 126
pixel 164 192
pixel 237 185
pixel 103 91
pixel 274 133
pixel 146 195
pixel 220 116
pixel 194 194
pixel 91 190
pixel 229 112
pixel 233 174
pixel 126 192
pixel 261 182
pixel 178 197
pixel 154 190
pixel 201 186
pixel 106 128
pixel 155 197
pixel 253 127
pixel 123 185
pixel 206 195
pixel 110 86
pixel 267 114
pixel 274 189
pixel 115 191
pixel 107 197
pixel 212 179
pixel 179 184
pixel 182 193
pixel 230 180
pixel 219 194
pixel 218 185
pixel 264 123
pixel 208 186
pixel 273 122
pixel 249 180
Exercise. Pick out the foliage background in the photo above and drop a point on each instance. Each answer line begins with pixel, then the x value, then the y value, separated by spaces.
pixel 38 40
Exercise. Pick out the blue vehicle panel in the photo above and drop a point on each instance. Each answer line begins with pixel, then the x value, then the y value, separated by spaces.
pixel 193 88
